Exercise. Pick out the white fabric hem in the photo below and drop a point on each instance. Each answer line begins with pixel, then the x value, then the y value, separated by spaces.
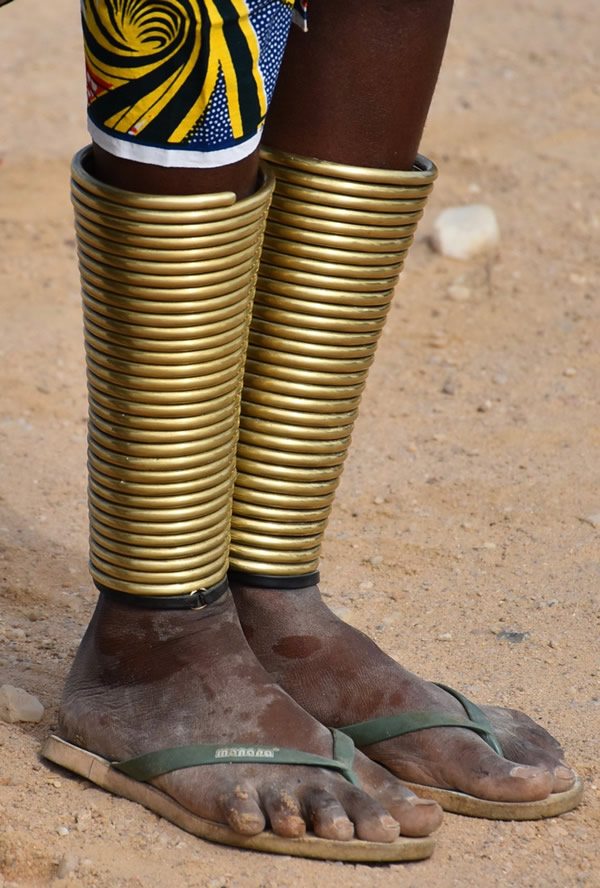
pixel 173 157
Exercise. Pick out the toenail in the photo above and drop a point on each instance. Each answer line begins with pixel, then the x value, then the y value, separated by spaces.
pixel 389 822
pixel 563 773
pixel 524 772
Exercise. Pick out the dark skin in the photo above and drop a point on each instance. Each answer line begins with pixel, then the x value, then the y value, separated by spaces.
pixel 146 680
pixel 371 115
pixel 299 640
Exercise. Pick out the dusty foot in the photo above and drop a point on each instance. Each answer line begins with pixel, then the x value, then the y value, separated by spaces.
pixel 341 677
pixel 144 680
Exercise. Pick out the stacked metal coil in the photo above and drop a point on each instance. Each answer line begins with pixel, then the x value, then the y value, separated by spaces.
pixel 334 246
pixel 167 286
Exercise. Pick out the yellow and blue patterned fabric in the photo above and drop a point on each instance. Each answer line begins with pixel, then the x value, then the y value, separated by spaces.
pixel 183 83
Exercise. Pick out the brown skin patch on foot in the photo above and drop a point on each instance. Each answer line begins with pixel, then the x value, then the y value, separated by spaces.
pixel 348 679
pixel 297 647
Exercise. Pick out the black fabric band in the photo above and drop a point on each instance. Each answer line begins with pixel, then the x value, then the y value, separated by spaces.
pixel 193 601
pixel 267 582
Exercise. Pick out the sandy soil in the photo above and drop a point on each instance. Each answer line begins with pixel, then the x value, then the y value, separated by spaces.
pixel 460 514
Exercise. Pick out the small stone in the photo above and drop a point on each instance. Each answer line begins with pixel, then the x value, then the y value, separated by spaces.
pixel 579 279
pixel 448 388
pixel 594 519
pixel 499 378
pixel 489 545
pixel 438 339
pixel 366 586
pixel 67 865
pixel 513 636
pixel 17 705
pixel 485 406
pixel 62 831
pixel 376 560
pixel 14 632
pixel 83 820
pixel 465 232
pixel 445 636
pixel 569 371
pixel 378 500
pixel 458 293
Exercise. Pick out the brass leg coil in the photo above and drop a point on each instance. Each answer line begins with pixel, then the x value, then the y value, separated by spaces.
pixel 167 284
pixel 334 246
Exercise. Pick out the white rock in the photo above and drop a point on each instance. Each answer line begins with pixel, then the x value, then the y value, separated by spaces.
pixel 594 520
pixel 17 705
pixel 464 232
pixel 459 293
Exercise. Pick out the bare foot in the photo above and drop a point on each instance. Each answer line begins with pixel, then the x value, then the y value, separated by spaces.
pixel 341 677
pixel 145 680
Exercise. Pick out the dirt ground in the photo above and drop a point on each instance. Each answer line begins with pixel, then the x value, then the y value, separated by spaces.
pixel 458 540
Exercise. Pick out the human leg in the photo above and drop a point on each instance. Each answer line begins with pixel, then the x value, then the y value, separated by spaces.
pixel 335 672
pixel 167 279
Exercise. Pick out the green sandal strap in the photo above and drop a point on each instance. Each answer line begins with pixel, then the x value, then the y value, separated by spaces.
pixel 476 714
pixel 146 767
pixel 386 727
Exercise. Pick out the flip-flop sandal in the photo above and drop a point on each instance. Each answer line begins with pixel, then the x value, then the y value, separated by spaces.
pixel 385 728
pixel 129 779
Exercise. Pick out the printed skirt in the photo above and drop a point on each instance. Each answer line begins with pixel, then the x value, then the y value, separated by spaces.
pixel 183 83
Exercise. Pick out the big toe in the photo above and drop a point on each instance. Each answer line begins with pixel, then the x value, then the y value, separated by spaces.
pixel 485 774
pixel 563 778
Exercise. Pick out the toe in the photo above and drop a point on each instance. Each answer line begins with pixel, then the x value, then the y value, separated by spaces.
pixel 328 817
pixel 284 813
pixel 241 810
pixel 371 820
pixel 563 778
pixel 548 757
pixel 483 773
pixel 417 817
